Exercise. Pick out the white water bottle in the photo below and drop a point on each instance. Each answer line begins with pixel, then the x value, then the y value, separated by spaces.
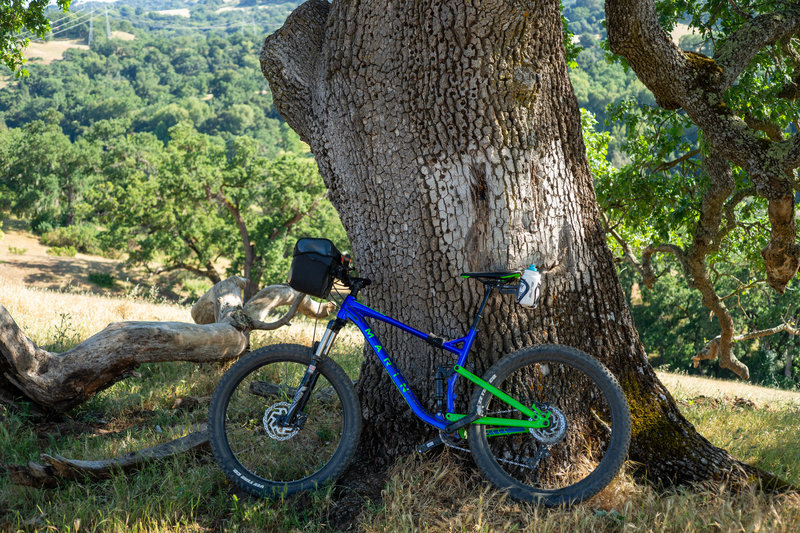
pixel 529 285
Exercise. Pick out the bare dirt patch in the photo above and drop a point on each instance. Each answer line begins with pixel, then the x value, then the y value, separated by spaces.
pixel 33 267
pixel 53 50
pixel 123 36
pixel 175 12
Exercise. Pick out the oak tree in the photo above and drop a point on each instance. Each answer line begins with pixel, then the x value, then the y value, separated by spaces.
pixel 449 137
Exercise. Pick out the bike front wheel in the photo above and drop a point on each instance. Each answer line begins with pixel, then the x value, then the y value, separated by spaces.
pixel 581 450
pixel 255 450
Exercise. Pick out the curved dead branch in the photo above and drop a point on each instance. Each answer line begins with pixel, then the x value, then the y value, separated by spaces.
pixel 258 324
pixel 54 469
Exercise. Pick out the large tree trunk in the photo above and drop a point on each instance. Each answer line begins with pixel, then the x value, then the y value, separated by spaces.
pixel 449 137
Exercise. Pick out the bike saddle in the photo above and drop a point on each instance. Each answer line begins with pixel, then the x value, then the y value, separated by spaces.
pixel 502 275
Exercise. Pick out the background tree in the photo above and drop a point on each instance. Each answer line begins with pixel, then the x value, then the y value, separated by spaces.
pixel 17 17
pixel 195 202
pixel 45 176
pixel 449 138
pixel 716 160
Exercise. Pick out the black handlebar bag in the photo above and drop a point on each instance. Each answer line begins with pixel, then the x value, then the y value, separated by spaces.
pixel 314 263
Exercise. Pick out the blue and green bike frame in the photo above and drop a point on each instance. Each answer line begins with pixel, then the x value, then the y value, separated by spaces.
pixel 353 311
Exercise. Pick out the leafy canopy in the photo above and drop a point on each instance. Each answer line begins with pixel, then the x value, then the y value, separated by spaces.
pixel 16 17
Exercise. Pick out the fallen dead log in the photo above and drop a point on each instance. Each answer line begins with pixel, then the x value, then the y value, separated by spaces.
pixel 57 382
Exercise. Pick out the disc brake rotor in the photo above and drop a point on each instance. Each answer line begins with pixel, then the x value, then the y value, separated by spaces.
pixel 557 429
pixel 272 426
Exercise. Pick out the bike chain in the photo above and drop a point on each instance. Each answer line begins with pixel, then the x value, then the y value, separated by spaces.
pixel 537 458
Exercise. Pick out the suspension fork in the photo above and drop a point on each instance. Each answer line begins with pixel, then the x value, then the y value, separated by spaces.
pixel 301 397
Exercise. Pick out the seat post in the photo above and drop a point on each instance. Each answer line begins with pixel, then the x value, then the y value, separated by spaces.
pixel 489 288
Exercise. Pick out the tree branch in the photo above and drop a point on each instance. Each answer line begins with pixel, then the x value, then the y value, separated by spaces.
pixel 736 53
pixel 298 216
pixel 675 162
pixel 694 82
pixel 56 468
pixel 773 131
pixel 712 349
pixel 249 249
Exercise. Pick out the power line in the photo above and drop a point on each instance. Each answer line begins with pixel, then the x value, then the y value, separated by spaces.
pixel 61 23
pixel 60 31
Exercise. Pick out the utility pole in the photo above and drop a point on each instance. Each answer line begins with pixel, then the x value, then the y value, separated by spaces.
pixel 253 22
pixel 108 25
pixel 91 29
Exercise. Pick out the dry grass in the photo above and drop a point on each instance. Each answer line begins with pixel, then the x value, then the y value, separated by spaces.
pixel 53 50
pixel 683 386
pixel 43 313
pixel 438 496
pixel 60 320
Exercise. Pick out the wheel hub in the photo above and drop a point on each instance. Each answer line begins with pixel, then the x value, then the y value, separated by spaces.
pixel 557 429
pixel 272 424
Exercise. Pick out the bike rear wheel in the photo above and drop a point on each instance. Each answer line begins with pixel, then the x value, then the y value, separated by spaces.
pixel 251 446
pixel 586 443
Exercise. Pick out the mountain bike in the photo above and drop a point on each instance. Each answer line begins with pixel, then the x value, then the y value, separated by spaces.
pixel 548 423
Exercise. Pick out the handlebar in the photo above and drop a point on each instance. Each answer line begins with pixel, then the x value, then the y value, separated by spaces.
pixel 355 284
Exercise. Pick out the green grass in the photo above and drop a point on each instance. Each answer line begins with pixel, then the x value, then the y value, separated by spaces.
pixel 62 251
pixel 440 493
pixel 102 279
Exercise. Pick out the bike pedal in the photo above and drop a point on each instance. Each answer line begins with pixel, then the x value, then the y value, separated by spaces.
pixel 431 444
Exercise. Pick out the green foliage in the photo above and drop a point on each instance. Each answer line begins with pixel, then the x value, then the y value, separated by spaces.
pixel 16 251
pixel 102 279
pixel 654 194
pixel 62 251
pixel 150 138
pixel 46 176
pixel 17 17
pixel 599 81
pixel 189 208
pixel 83 237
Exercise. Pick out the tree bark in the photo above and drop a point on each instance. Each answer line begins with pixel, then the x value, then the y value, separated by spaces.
pixel 449 137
